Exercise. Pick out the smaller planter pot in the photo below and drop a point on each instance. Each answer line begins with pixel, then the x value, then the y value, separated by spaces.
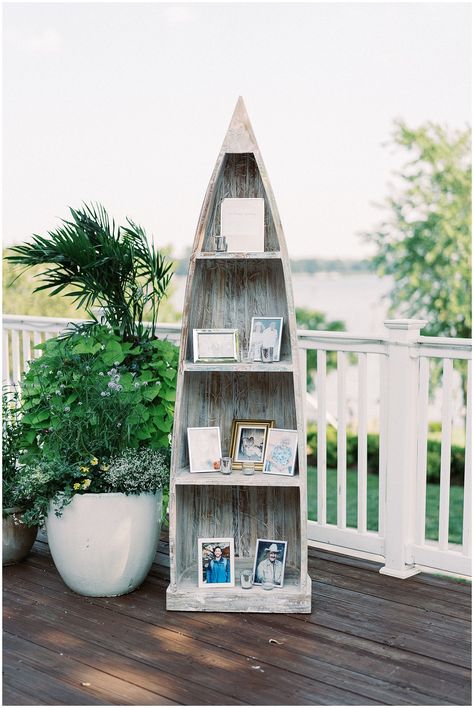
pixel 17 538
pixel 104 544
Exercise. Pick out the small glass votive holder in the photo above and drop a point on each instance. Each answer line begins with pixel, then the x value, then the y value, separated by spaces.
pixel 248 468
pixel 257 352
pixel 267 354
pixel 246 579
pixel 221 243
pixel 267 585
pixel 226 465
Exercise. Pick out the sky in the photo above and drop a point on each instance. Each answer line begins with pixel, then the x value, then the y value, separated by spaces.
pixel 127 104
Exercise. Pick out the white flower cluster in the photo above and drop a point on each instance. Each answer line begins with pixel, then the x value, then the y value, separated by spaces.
pixel 136 471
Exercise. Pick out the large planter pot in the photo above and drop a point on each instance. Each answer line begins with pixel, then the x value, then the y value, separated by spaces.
pixel 104 544
pixel 17 538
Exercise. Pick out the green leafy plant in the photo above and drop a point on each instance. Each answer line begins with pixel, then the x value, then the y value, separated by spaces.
pixel 86 400
pixel 12 434
pixel 101 265
pixel 93 394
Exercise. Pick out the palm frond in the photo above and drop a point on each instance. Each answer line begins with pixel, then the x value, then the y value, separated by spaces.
pixel 110 266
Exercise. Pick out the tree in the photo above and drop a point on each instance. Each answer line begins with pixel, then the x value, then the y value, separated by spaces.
pixel 313 319
pixel 424 243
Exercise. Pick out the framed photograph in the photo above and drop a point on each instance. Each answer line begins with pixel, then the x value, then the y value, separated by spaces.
pixel 216 562
pixel 269 563
pixel 265 338
pixel 204 446
pixel 248 442
pixel 216 345
pixel 280 453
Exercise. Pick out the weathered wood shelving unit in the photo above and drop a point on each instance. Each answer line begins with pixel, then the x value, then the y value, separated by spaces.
pixel 225 290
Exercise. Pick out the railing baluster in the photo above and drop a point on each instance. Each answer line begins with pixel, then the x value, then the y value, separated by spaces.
pixel 322 468
pixel 341 440
pixel 383 431
pixel 15 353
pixel 36 340
pixel 6 374
pixel 362 445
pixel 445 454
pixel 26 338
pixel 423 394
pixel 467 508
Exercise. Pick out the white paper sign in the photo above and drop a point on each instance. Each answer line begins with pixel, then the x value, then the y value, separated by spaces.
pixel 242 223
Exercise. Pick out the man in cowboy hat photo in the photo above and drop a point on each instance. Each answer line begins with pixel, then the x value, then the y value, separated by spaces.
pixel 270 569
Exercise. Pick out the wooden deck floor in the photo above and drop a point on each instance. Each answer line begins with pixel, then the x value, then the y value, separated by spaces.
pixel 370 640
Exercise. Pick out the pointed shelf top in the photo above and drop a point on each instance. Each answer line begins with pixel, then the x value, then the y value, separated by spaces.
pixel 240 136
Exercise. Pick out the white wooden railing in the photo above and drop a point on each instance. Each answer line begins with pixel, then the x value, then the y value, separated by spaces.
pixel 399 362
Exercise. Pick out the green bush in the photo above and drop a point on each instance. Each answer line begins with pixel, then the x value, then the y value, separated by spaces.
pixel 433 454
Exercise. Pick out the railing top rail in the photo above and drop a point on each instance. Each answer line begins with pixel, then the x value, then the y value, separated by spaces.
pixel 320 334
pixel 447 342
pixel 54 323
pixel 306 336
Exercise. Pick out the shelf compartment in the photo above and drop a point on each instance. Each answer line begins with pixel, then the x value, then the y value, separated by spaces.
pixel 239 176
pixel 216 398
pixel 226 294
pixel 292 597
pixel 243 513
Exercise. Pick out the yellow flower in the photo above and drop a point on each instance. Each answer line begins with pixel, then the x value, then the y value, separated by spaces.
pixel 94 461
pixel 77 485
pixel 104 468
pixel 86 484
pixel 84 470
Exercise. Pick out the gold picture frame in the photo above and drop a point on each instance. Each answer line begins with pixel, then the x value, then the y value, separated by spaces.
pixel 249 441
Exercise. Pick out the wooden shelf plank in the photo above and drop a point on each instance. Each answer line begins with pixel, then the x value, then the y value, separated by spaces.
pixel 226 256
pixel 241 366
pixel 236 479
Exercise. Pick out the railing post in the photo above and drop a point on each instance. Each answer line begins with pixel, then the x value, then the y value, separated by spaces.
pixel 401 447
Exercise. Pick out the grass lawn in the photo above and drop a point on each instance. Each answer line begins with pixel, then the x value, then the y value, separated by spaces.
pixel 432 503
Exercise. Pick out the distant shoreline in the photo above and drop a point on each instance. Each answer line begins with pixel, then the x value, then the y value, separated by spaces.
pixel 306 265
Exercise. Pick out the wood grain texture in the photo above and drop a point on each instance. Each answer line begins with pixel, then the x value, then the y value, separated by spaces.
pixel 370 639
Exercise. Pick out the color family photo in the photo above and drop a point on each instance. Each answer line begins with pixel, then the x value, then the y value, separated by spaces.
pixel 216 562
pixel 280 454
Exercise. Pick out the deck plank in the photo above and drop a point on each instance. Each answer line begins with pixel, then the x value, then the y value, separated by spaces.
pixel 370 639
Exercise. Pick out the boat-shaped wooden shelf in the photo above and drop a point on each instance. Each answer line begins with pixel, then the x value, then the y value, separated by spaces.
pixel 225 290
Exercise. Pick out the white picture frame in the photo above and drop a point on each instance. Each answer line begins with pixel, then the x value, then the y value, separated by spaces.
pixel 211 573
pixel 243 224
pixel 204 448
pixel 265 556
pixel 265 332
pixel 218 345
pixel 280 452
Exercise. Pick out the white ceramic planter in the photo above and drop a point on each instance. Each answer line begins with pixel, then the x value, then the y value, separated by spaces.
pixel 104 544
